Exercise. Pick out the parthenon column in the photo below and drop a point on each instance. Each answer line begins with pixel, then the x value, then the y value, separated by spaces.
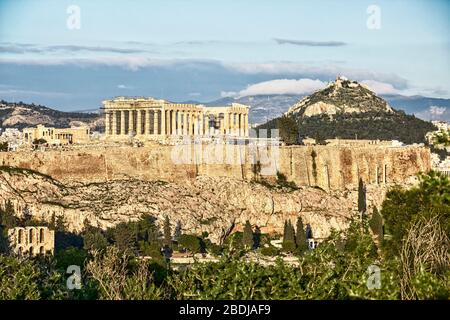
pixel 185 129
pixel 195 123
pixel 179 132
pixel 173 128
pixel 201 123
pixel 130 121
pixel 241 124
pixel 122 122
pixel 191 123
pixel 246 125
pixel 156 122
pixel 114 123
pixel 139 122
pixel 221 127
pixel 206 125
pixel 147 122
pixel 233 123
pixel 107 120
pixel 226 122
pixel 163 121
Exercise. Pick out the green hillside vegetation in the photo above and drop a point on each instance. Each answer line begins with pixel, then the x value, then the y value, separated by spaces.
pixel 369 125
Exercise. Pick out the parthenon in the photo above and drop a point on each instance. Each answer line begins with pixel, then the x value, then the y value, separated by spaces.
pixel 152 118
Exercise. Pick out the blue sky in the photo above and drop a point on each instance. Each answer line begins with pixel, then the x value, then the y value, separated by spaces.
pixel 202 50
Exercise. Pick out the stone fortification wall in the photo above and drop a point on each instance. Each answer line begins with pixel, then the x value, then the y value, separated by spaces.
pixel 328 167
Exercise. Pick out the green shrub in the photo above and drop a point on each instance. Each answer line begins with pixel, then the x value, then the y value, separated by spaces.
pixel 269 251
pixel 191 243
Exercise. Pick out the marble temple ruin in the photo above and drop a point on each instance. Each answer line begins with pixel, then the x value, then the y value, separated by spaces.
pixel 152 118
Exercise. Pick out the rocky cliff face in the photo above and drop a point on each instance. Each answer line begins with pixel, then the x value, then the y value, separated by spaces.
pixel 340 96
pixel 216 205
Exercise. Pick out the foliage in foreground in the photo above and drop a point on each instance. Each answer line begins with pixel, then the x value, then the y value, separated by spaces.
pixel 414 261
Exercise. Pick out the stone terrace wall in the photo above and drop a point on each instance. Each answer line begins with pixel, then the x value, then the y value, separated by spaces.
pixel 329 167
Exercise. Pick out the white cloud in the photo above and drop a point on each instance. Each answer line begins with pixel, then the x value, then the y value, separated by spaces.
pixel 438 111
pixel 283 86
pixel 311 71
pixel 126 62
pixel 434 113
pixel 19 93
pixel 228 94
pixel 381 87
pixel 123 86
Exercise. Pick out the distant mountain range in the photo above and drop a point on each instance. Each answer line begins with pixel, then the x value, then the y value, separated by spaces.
pixel 21 115
pixel 264 108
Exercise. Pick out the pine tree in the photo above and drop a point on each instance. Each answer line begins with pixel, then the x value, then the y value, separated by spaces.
pixel 167 233
pixel 124 237
pixel 300 238
pixel 247 237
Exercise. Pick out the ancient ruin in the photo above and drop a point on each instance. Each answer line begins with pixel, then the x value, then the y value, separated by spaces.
pixel 31 241
pixel 56 136
pixel 152 118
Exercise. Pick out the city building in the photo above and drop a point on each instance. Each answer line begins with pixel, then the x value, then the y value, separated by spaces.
pixel 13 138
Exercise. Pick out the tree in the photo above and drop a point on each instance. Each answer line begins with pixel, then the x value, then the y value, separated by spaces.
pixel 39 142
pixel 167 233
pixel 257 237
pixel 8 216
pixel 425 259
pixel 288 237
pixel 177 232
pixel 190 243
pixel 94 240
pixel 111 271
pixel 124 237
pixel 247 238
pixel 146 229
pixel 3 146
pixel 402 208
pixel 376 224
pixel 288 130
pixel 60 224
pixel 4 243
pixel 300 238
pixel 361 198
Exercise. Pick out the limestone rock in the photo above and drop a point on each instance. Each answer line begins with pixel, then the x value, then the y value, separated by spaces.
pixel 216 205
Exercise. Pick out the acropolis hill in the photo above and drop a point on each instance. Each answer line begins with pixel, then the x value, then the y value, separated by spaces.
pixel 199 166
pixel 107 185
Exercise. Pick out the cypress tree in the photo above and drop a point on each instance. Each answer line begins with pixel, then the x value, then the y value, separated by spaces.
pixel 361 197
pixel 177 232
pixel 300 238
pixel 289 237
pixel 167 233
pixel 247 237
